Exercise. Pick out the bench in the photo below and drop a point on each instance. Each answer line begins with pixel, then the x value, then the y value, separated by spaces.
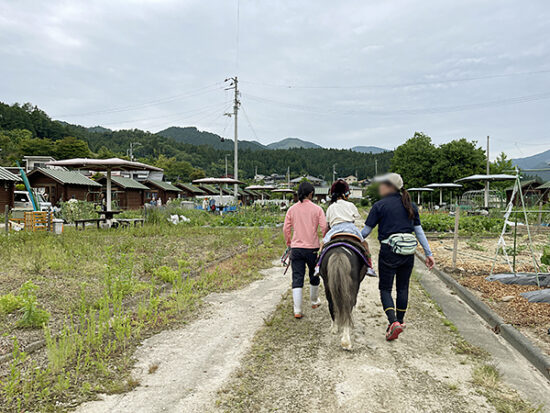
pixel 127 222
pixel 83 222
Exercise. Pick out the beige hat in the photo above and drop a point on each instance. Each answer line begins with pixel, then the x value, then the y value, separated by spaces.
pixel 390 178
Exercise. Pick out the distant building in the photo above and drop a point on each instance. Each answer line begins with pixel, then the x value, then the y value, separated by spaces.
pixel 34 162
pixel 355 192
pixel 315 181
pixel 190 191
pixel 7 187
pixel 142 176
pixel 351 179
pixel 62 185
pixel 162 190
pixel 322 193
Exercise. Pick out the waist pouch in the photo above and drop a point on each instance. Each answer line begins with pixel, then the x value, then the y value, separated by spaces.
pixel 402 243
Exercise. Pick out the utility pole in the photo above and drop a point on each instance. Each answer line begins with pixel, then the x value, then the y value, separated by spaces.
pixel 131 154
pixel 487 181
pixel 288 176
pixel 375 167
pixel 226 165
pixel 234 84
pixel 334 173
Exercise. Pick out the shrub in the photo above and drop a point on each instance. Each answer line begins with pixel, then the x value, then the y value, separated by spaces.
pixel 33 316
pixel 165 274
pixel 10 303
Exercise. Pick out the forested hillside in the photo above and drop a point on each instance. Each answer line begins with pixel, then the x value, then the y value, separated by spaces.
pixel 27 130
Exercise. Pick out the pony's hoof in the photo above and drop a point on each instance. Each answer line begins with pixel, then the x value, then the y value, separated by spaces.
pixel 346 344
pixel 333 328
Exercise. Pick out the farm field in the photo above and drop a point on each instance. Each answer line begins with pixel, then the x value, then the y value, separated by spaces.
pixel 99 293
pixel 474 261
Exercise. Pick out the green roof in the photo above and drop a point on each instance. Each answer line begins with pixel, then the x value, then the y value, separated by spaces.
pixel 165 186
pixel 322 190
pixel 6 175
pixel 210 189
pixel 66 177
pixel 545 185
pixel 126 183
pixel 191 188
pixel 523 184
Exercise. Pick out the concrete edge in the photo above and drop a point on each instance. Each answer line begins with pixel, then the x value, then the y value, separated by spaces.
pixel 513 336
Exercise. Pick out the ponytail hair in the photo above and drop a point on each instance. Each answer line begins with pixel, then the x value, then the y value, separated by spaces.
pixel 407 203
pixel 304 190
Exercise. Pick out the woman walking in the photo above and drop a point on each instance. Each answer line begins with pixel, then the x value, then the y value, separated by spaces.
pixel 300 229
pixel 397 218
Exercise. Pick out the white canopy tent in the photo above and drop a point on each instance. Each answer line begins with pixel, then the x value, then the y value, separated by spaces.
pixel 487 179
pixel 217 181
pixel 104 165
pixel 442 186
pixel 419 190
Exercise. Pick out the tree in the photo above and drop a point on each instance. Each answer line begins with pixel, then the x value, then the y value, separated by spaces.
pixel 457 159
pixel 413 160
pixel 197 174
pixel 71 147
pixel 174 169
pixel 105 153
pixel 36 146
pixel 501 165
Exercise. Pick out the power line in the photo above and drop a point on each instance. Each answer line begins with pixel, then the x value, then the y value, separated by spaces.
pixel 249 123
pixel 411 111
pixel 398 85
pixel 189 94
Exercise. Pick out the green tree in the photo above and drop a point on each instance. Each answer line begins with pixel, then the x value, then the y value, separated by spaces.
pixel 105 153
pixel 174 169
pixel 501 165
pixel 197 174
pixel 36 146
pixel 413 160
pixel 457 159
pixel 71 147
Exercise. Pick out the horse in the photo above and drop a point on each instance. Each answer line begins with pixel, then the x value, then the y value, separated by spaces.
pixel 342 271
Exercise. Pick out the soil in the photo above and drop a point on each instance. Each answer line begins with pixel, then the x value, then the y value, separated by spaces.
pixel 474 262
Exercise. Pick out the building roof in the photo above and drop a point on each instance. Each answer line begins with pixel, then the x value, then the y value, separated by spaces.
pixel 545 185
pixel 524 184
pixel 6 175
pixel 126 183
pixel 191 188
pixel 308 177
pixel 165 186
pixel 210 189
pixel 66 177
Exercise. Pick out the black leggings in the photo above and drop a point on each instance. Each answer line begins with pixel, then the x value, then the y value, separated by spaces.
pixel 299 258
pixel 396 266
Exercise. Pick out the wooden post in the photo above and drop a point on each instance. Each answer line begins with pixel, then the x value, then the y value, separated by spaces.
pixel 455 239
pixel 539 219
pixel 7 218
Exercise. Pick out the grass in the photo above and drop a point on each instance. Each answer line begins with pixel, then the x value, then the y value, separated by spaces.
pixel 104 292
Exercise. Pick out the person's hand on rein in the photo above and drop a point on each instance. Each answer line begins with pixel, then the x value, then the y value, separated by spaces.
pixel 430 262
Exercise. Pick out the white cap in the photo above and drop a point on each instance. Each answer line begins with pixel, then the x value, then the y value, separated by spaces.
pixel 391 178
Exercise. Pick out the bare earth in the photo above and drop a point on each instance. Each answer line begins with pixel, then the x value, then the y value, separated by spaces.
pixel 248 354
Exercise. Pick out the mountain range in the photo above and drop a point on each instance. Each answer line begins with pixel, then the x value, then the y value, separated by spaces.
pixel 538 161
pixel 193 136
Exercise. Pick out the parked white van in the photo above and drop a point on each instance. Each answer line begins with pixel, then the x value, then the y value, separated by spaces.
pixel 23 201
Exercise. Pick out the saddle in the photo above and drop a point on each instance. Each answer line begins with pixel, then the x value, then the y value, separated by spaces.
pixel 349 241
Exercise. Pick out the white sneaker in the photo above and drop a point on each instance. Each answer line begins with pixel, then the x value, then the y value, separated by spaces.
pixel 314 296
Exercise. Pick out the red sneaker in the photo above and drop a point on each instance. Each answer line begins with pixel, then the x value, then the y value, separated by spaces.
pixel 393 331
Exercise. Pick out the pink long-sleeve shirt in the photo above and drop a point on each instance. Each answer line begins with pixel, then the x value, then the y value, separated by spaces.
pixel 304 218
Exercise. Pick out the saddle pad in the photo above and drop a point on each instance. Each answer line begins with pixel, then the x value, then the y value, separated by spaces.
pixel 350 245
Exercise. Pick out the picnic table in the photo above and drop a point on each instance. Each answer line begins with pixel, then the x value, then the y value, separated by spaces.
pixel 127 222
pixel 104 216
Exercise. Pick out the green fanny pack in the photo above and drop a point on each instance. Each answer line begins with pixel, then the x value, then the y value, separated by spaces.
pixel 402 244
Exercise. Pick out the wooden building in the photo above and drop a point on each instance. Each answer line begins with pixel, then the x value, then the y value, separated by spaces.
pixel 190 191
pixel 61 185
pixel 129 194
pixel 162 190
pixel 531 192
pixel 7 186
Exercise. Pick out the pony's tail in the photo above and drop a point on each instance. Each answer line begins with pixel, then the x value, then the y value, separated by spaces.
pixel 341 288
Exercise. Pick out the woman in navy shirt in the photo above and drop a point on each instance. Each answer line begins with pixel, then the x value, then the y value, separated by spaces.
pixel 395 214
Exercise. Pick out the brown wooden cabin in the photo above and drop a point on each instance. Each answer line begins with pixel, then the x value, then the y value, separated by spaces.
pixel 162 190
pixel 129 194
pixel 7 187
pixel 531 192
pixel 190 191
pixel 62 185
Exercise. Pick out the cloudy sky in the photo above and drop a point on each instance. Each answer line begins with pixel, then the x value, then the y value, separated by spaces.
pixel 338 73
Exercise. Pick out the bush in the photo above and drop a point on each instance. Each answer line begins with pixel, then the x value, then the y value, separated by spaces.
pixel 71 211
pixel 166 274
pixel 468 224
pixel 10 303
pixel 33 316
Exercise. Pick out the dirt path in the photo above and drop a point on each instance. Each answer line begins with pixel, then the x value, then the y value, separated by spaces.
pixel 181 370
pixel 299 366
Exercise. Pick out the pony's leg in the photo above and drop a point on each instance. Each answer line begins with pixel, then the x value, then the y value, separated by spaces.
pixel 346 338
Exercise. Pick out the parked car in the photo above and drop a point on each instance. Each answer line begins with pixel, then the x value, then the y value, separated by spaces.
pixel 23 201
